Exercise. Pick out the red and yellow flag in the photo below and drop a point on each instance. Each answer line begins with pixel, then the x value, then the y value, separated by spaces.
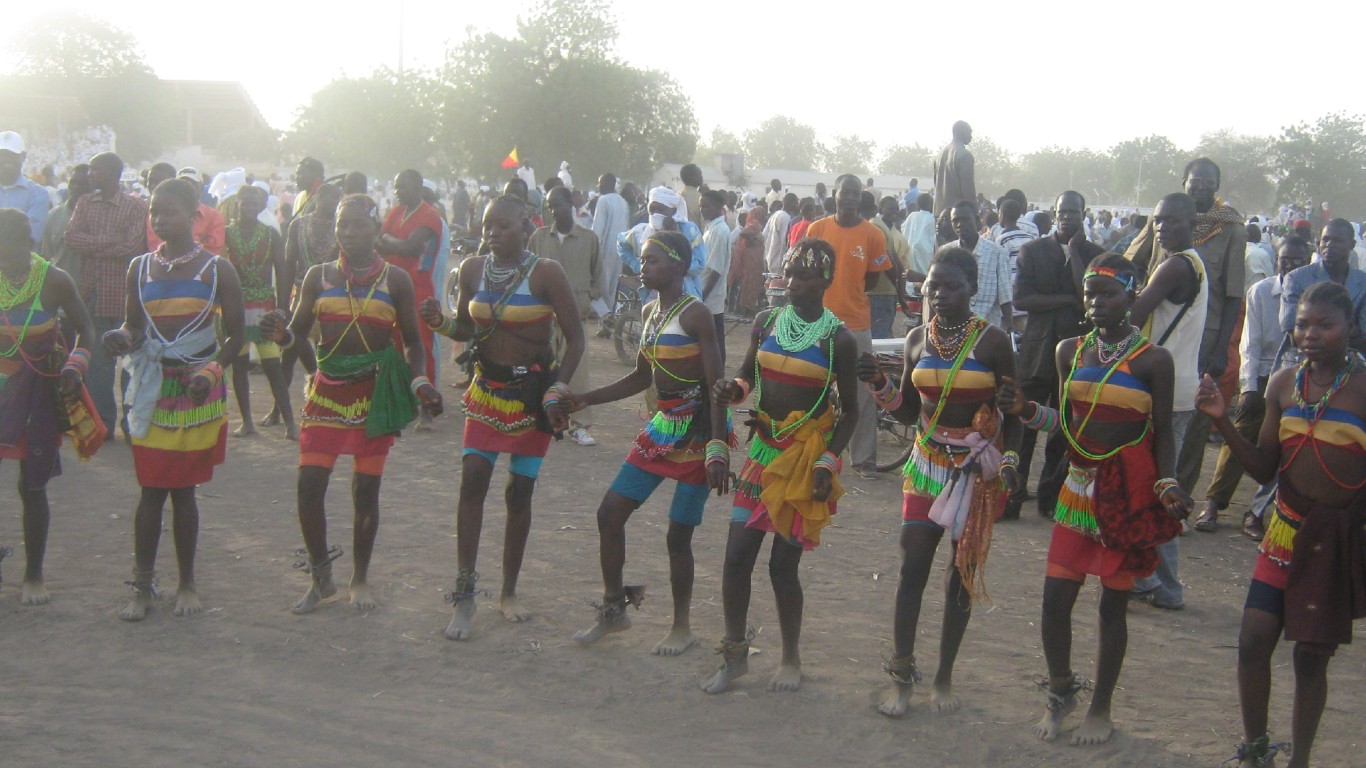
pixel 511 160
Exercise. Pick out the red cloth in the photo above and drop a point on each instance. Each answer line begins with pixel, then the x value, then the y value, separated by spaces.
pixel 401 225
pixel 1138 526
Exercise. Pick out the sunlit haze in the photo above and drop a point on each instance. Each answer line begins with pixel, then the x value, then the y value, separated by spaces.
pixel 1027 75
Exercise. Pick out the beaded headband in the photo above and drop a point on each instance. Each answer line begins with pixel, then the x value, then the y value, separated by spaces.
pixel 663 246
pixel 1124 279
pixel 810 258
pixel 365 201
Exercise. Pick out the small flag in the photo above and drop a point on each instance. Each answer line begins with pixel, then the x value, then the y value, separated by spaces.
pixel 511 160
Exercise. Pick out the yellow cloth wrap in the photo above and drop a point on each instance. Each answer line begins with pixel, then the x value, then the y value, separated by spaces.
pixel 788 479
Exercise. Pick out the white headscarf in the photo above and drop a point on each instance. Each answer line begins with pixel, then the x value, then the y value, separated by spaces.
pixel 665 196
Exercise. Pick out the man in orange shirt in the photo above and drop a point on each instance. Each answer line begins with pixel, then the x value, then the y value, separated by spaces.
pixel 860 255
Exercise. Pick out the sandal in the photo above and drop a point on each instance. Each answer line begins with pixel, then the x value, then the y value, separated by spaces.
pixel 1252 527
pixel 1208 521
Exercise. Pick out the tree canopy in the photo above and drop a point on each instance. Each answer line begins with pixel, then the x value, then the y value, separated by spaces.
pixel 781 142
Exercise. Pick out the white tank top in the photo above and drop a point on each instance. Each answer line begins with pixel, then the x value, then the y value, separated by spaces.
pixel 1184 341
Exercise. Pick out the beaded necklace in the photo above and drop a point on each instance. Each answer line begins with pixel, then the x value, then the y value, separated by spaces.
pixel 1298 395
pixel 255 286
pixel 795 334
pixel 510 278
pixel 171 264
pixel 948 348
pixel 12 296
pixel 829 371
pixel 368 276
pixel 210 307
pixel 1089 340
pixel 655 326
pixel 960 355
pixel 1108 353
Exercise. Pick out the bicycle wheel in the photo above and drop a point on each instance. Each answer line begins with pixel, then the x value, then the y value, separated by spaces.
pixel 896 439
pixel 626 333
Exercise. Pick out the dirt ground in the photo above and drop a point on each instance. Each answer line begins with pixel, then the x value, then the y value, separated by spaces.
pixel 250 684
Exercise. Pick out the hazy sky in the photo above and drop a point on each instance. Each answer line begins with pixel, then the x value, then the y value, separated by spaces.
pixel 1026 75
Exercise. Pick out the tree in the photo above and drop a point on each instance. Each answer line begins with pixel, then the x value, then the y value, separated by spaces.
pixel 913 160
pixel 1047 173
pixel 101 66
pixel 556 92
pixel 1325 161
pixel 722 142
pixel 1145 170
pixel 379 125
pixel 781 142
pixel 993 166
pixel 1245 168
pixel 67 44
pixel 850 154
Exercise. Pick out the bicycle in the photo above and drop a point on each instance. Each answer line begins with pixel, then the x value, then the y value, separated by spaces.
pixel 626 318
pixel 892 433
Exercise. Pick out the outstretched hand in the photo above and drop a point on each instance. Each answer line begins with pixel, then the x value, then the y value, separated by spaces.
pixel 726 391
pixel 430 399
pixel 821 484
pixel 117 342
pixel 718 478
pixel 1209 400
pixel 1178 503
pixel 430 312
pixel 1013 482
pixel 1009 397
pixel 273 327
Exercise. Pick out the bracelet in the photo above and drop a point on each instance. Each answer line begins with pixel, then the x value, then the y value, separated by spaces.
pixel 827 461
pixel 78 361
pixel 419 382
pixel 888 395
pixel 1010 459
pixel 554 394
pixel 1045 419
pixel 1165 484
pixel 745 387
pixel 284 318
pixel 213 372
pixel 289 340
pixel 447 328
pixel 718 452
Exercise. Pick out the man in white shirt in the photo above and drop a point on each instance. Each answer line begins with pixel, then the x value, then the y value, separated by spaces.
pixel 775 233
pixel 527 174
pixel 716 235
pixel 1260 261
pixel 611 217
pixel 1260 351
pixel 919 231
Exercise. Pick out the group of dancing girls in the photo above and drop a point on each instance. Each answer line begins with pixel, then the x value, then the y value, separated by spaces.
pixel 802 367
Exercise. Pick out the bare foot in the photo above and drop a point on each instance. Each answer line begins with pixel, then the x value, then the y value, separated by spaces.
pixel 271 419
pixel 1050 725
pixel 897 700
pixel 425 423
pixel 187 602
pixel 604 627
pixel 317 592
pixel 246 430
pixel 512 610
pixel 676 643
pixel 361 599
pixel 137 608
pixel 943 700
pixel 1096 729
pixel 34 593
pixel 787 678
pixel 729 671
pixel 459 628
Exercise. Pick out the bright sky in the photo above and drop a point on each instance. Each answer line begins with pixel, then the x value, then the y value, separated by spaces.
pixel 1027 75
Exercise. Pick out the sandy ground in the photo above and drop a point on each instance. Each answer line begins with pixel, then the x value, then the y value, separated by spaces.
pixel 248 683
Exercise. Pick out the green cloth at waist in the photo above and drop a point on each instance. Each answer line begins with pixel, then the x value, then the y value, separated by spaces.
pixel 393 405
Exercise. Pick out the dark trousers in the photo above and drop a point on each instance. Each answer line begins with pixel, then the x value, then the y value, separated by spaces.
pixel 1228 471
pixel 99 380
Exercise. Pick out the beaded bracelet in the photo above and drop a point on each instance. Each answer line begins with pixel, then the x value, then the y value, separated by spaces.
pixel 888 395
pixel 78 361
pixel 554 394
pixel 213 372
pixel 419 382
pixel 1165 484
pixel 1045 419
pixel 827 461
pixel 289 340
pixel 718 452
pixel 1010 459
pixel 745 387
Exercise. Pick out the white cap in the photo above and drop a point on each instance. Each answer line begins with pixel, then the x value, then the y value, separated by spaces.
pixel 11 142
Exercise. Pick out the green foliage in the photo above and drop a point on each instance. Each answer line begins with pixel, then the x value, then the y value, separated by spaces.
pixel 1047 173
pixel 913 160
pixel 850 154
pixel 1146 169
pixel 379 125
pixel 722 142
pixel 101 66
pixel 1325 161
pixel 993 166
pixel 781 142
pixel 1245 168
